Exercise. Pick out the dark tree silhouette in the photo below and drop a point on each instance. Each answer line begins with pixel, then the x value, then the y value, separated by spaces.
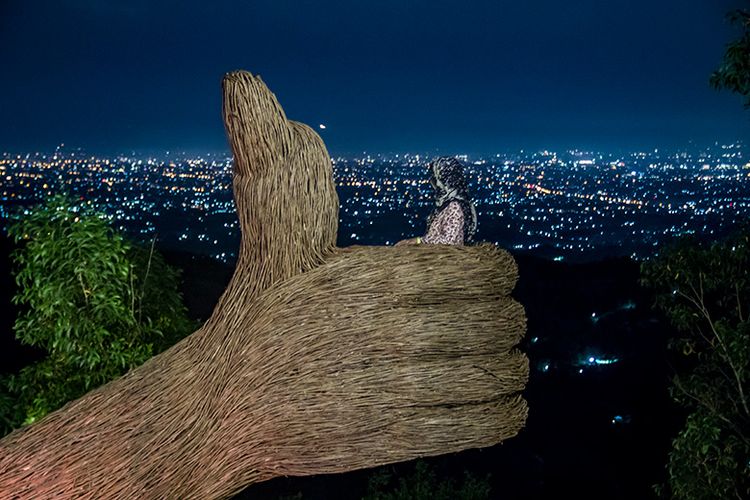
pixel 734 72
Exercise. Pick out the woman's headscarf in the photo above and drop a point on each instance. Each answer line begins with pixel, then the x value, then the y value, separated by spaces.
pixel 448 181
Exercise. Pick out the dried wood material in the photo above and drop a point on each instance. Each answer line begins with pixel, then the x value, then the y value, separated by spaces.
pixel 316 359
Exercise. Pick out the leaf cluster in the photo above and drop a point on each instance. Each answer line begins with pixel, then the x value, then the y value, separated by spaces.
pixel 98 304
pixel 423 484
pixel 734 72
pixel 704 290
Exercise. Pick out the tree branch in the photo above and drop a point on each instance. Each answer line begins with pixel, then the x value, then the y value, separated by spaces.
pixel 699 304
pixel 711 409
pixel 739 305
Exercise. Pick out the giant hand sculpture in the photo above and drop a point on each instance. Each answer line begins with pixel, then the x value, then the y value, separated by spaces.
pixel 316 359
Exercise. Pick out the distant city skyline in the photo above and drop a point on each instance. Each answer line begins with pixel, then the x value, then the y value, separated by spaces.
pixel 573 205
pixel 163 154
pixel 439 76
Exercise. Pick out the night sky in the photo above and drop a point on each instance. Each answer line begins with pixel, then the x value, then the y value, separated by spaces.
pixel 383 76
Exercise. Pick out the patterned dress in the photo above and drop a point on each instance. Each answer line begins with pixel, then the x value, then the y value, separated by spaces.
pixel 448 226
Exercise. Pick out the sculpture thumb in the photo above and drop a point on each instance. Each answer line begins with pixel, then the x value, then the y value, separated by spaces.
pixel 316 359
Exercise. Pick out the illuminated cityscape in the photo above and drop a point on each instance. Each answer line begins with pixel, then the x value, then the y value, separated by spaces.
pixel 570 205
pixel 593 135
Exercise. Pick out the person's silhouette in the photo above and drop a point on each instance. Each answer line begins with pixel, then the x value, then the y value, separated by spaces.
pixel 453 221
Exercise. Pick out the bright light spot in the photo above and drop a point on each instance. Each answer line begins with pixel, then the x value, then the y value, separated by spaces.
pixel 322 127
pixel 606 361
pixel 593 360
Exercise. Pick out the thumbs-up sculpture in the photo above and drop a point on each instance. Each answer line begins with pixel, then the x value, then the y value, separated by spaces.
pixel 316 359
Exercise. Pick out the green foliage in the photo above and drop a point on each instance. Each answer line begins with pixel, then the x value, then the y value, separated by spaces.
pixel 422 484
pixel 706 461
pixel 296 496
pixel 97 303
pixel 704 290
pixel 734 72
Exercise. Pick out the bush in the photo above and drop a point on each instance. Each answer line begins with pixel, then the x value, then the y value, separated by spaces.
pixel 97 303
pixel 704 289
pixel 422 484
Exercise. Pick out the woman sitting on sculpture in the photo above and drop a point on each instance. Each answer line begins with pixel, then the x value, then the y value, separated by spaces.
pixel 453 221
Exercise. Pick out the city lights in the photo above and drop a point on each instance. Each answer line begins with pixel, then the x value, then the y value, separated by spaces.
pixel 566 206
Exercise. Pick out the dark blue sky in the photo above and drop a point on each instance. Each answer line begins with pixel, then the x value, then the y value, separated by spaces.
pixel 387 75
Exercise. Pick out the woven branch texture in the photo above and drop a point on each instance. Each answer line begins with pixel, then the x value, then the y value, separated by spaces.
pixel 316 359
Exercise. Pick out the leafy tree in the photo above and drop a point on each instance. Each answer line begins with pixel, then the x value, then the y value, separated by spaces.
pixel 97 303
pixel 704 289
pixel 422 484
pixel 734 72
